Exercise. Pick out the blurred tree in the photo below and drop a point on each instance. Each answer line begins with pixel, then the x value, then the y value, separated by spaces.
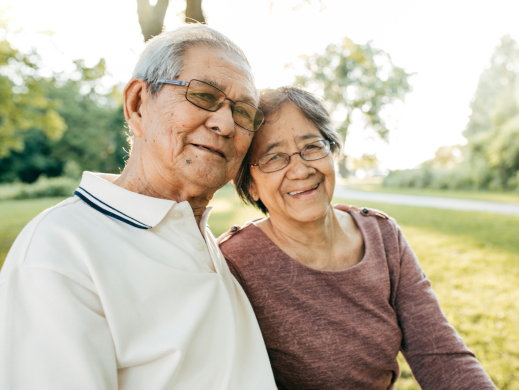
pixel 490 159
pixel 357 81
pixel 23 102
pixel 95 139
pixel 365 162
pixel 151 17
pixel 493 128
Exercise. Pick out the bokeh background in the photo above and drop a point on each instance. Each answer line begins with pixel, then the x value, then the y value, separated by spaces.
pixel 426 95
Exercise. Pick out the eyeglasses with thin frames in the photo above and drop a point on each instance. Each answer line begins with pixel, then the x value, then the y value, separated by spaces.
pixel 210 98
pixel 273 162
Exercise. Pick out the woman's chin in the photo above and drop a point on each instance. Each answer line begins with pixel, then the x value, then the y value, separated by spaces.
pixel 309 214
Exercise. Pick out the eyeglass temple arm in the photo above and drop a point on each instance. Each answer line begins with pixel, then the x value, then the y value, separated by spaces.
pixel 173 82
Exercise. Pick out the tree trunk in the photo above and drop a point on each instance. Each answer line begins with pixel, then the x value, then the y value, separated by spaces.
pixel 343 171
pixel 194 11
pixel 151 18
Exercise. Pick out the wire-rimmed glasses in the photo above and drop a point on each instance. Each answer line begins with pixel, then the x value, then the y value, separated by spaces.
pixel 273 162
pixel 210 98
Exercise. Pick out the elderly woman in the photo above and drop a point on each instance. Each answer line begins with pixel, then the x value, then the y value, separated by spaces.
pixel 337 294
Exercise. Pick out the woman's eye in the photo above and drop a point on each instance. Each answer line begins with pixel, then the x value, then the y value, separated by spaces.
pixel 314 147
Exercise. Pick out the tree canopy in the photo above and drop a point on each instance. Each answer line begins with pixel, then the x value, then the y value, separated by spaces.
pixel 24 104
pixel 490 159
pixel 357 81
pixel 91 135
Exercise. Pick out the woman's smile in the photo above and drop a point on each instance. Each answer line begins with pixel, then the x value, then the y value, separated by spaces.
pixel 304 193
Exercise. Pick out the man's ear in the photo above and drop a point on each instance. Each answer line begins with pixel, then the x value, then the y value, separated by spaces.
pixel 134 95
pixel 253 191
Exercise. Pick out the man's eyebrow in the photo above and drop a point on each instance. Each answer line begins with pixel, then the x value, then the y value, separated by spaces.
pixel 215 83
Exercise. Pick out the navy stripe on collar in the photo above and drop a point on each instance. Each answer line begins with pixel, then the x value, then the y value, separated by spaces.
pixel 120 216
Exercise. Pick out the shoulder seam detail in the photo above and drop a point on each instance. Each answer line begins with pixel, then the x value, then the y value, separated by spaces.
pixel 60 272
pixel 36 227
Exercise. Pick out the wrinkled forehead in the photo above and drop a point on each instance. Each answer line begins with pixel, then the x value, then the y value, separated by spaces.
pixel 222 68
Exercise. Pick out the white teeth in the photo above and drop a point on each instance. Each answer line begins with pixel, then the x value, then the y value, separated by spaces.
pixel 298 192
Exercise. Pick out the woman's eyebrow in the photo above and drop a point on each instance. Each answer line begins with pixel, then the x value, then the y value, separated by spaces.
pixel 307 136
pixel 271 146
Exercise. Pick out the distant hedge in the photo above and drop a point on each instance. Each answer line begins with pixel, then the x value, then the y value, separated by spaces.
pixel 42 188
pixel 461 178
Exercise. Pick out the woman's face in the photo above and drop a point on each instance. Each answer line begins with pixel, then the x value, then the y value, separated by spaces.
pixel 303 190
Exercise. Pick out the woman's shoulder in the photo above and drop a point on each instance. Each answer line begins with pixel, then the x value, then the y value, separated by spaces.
pixel 243 241
pixel 376 226
pixel 371 216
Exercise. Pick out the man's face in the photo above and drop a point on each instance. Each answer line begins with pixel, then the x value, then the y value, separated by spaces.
pixel 187 145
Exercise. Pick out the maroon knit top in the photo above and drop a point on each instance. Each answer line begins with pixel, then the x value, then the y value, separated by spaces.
pixel 343 329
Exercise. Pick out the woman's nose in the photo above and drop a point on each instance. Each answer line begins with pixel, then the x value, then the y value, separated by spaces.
pixel 298 168
pixel 221 121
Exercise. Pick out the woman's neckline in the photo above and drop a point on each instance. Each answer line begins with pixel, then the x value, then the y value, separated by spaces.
pixel 367 248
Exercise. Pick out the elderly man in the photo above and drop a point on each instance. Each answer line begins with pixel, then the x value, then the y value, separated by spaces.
pixel 123 286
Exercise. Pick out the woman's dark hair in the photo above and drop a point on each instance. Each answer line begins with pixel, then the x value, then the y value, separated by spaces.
pixel 271 102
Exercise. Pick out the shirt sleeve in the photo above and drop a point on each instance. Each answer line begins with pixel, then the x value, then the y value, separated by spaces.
pixel 435 352
pixel 53 334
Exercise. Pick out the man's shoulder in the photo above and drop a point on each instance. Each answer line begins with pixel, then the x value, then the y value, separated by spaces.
pixel 51 239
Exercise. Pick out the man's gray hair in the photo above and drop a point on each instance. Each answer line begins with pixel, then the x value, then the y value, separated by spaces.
pixel 163 56
pixel 271 103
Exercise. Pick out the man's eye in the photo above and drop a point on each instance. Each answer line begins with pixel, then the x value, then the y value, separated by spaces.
pixel 205 96
pixel 242 112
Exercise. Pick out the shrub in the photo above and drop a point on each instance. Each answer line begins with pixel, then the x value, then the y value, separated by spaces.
pixel 42 188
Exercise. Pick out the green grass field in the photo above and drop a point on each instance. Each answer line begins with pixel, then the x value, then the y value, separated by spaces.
pixel 472 260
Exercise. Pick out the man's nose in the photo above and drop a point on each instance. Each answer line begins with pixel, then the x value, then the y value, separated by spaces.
pixel 221 121
pixel 299 169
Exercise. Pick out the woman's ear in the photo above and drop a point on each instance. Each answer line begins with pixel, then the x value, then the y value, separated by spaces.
pixel 253 191
pixel 135 94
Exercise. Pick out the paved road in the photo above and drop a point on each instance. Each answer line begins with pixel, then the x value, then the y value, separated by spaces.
pixel 427 201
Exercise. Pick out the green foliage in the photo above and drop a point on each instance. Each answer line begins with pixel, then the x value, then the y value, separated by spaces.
pixel 23 102
pixel 357 82
pixel 95 139
pixel 490 159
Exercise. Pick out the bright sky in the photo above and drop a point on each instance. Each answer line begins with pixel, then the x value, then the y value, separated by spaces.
pixel 447 43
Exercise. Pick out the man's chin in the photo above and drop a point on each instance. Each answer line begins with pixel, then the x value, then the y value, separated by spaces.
pixel 209 178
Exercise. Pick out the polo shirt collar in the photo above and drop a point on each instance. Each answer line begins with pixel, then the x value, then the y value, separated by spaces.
pixel 137 210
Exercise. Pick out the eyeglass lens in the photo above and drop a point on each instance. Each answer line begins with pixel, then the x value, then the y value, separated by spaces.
pixel 277 161
pixel 210 98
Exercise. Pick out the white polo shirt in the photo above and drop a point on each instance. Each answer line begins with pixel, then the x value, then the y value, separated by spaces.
pixel 112 289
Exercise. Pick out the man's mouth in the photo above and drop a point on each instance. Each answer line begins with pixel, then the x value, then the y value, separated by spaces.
pixel 210 149
pixel 304 190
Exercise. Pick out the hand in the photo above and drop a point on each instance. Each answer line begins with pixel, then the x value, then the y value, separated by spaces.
pixel 345 207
